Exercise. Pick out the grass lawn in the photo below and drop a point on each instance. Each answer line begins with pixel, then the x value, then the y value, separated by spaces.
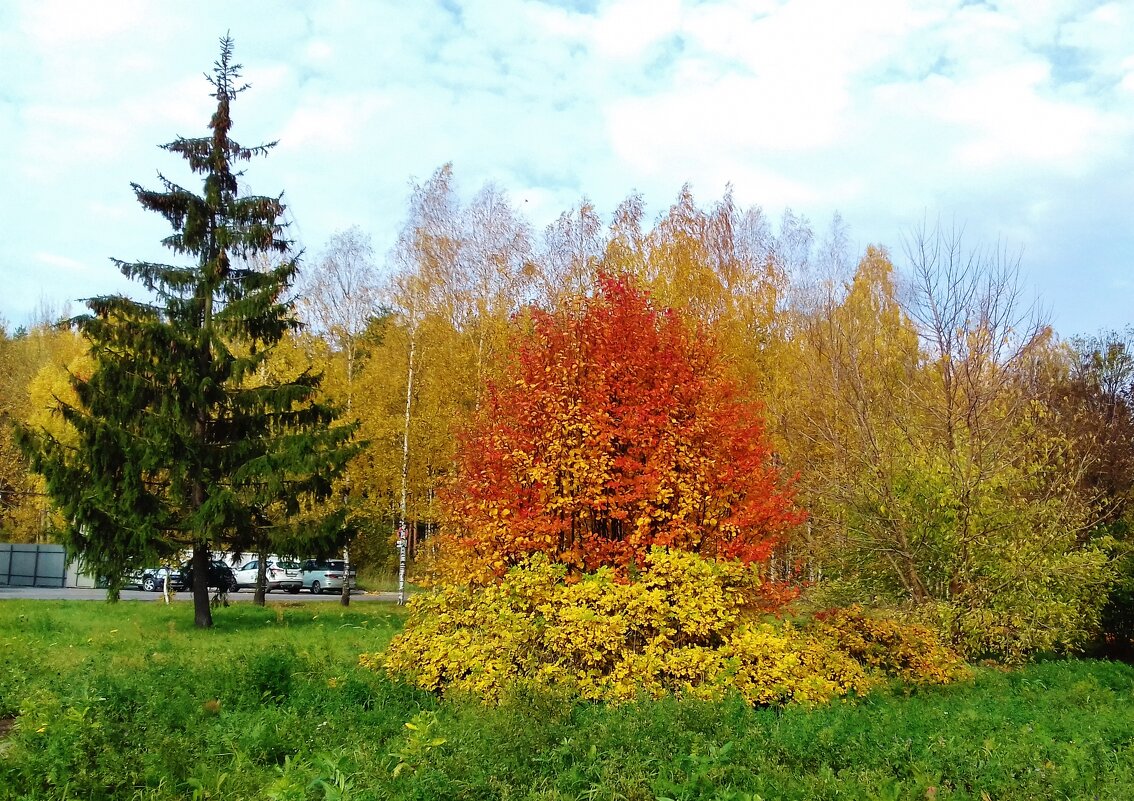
pixel 128 701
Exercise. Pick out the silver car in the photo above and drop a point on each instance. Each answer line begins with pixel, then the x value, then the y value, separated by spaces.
pixel 325 574
pixel 280 574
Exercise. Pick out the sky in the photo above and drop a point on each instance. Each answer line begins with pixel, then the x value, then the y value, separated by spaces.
pixel 1012 119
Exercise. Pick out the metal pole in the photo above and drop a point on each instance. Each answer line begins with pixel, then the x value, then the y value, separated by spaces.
pixel 403 541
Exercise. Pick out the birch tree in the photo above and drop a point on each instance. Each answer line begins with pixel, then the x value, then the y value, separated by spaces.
pixel 340 298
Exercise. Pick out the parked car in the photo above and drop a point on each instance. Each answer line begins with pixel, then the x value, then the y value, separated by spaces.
pixel 221 576
pixel 325 574
pixel 152 579
pixel 280 574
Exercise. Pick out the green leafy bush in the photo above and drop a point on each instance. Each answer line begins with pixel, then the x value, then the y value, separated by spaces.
pixel 1050 608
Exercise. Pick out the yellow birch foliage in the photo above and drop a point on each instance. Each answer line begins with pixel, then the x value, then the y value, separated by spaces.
pixel 35 373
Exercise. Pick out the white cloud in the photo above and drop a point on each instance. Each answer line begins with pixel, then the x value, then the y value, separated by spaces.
pixel 64 23
pixel 63 262
pixel 1002 118
pixel 626 29
pixel 1104 31
pixel 1127 82
pixel 319 51
pixel 333 125
pixel 1017 116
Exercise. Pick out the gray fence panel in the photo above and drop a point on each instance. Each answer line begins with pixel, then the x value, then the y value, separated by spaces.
pixel 30 565
pixel 51 568
pixel 22 573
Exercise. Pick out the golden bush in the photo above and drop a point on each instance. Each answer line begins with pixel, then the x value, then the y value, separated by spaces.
pixel 680 627
pixel 909 651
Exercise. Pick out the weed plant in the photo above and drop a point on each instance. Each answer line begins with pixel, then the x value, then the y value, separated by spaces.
pixel 130 702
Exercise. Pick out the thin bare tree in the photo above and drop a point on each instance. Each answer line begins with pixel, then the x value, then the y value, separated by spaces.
pixel 339 298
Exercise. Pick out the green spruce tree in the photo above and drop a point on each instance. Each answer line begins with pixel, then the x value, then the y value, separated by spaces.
pixel 181 442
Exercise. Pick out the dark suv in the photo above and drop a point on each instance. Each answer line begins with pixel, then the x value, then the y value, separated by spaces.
pixel 221 576
pixel 152 579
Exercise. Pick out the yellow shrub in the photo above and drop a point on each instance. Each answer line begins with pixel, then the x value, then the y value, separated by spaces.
pixel 908 651
pixel 679 628
pixel 777 665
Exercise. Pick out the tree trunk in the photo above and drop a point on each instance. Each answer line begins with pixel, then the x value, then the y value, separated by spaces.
pixel 344 599
pixel 202 612
pixel 405 470
pixel 261 578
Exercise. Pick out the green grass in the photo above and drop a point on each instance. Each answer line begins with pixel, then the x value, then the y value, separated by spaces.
pixel 130 702
pixel 378 579
pixel 381 579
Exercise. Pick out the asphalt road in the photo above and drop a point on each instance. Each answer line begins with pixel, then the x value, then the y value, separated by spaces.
pixel 77 594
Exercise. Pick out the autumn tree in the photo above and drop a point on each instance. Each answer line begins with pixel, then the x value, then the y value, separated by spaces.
pixel 457 273
pixel 424 293
pixel 1091 399
pixel 33 368
pixel 570 255
pixel 13 467
pixel 850 409
pixel 1001 495
pixel 340 300
pixel 932 477
pixel 174 446
pixel 340 297
pixel 614 429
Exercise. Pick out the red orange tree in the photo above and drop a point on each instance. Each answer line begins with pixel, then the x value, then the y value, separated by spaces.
pixel 615 430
